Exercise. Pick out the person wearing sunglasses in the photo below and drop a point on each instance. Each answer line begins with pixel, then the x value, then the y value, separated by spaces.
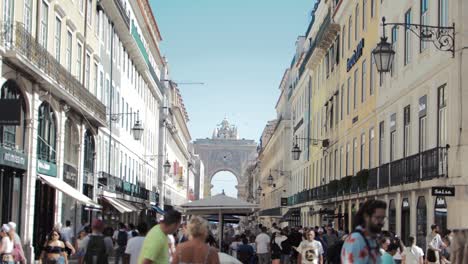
pixel 54 250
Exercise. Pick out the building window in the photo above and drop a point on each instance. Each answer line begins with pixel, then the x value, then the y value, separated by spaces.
pixel 355 148
pixel 355 94
pixel 88 71
pixel 101 85
pixel 82 4
pixel 89 12
pixel 342 101
pixel 424 21
pixel 406 131
pixel 443 13
pixel 381 142
pixel 13 136
pixel 371 148
pixel 27 20
pixel 364 14
pixel 347 160
pixel 335 168
pixel 47 130
pixel 392 216
pixel 372 76
pixel 356 23
pixel 69 50
pixel 363 81
pixel 89 149
pixel 442 117
pixel 407 37
pixel 107 94
pixel 363 145
pixel 350 30
pixel 343 42
pixel 394 46
pixel 348 104
pixel 422 123
pixel 372 8
pixel 58 37
pixel 95 78
pixel 44 23
pixel 392 137
pixel 79 56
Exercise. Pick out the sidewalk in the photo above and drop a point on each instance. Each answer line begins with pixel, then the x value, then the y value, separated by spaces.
pixel 75 261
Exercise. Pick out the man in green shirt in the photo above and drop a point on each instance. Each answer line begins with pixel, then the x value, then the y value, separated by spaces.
pixel 155 248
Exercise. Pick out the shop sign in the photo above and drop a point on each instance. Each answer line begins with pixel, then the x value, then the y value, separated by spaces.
pixel 405 203
pixel 284 201
pixel 357 54
pixel 13 158
pixel 443 191
pixel 46 168
pixel 10 112
pixel 69 175
pixel 440 202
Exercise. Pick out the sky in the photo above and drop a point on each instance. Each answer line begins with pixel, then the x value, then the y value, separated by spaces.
pixel 239 49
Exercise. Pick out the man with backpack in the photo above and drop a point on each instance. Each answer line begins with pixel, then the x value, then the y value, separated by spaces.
pixel 97 247
pixel 120 238
pixel 361 245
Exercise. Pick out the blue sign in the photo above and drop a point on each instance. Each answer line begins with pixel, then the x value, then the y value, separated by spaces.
pixel 357 54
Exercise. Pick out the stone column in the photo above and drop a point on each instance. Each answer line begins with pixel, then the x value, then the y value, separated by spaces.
pixel 61 120
pixel 413 207
pixel 386 225
pixel 430 210
pixel 29 183
pixel 398 214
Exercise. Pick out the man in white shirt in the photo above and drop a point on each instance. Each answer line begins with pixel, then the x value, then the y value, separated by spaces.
pixel 263 247
pixel 310 250
pixel 434 242
pixel 412 254
pixel 132 252
pixel 67 231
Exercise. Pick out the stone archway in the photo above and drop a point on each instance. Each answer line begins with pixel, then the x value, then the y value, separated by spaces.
pixel 225 152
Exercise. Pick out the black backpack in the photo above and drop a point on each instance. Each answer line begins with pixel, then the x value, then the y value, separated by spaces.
pixel 122 238
pixel 96 251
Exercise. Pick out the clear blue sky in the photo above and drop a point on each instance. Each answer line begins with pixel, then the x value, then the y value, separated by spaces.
pixel 239 49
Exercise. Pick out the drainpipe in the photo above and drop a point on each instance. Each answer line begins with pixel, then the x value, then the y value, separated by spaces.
pixel 110 102
pixel 85 32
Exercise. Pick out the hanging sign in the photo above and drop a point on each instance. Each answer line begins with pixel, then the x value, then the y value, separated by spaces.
pixel 443 191
pixel 284 201
pixel 10 112
pixel 357 54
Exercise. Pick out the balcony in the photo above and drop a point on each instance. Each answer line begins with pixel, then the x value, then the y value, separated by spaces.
pixel 424 166
pixel 320 44
pixel 22 50
pixel 115 8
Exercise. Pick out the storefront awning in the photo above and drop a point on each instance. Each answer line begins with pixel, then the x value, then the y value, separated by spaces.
pixel 62 186
pixel 118 205
pixel 158 209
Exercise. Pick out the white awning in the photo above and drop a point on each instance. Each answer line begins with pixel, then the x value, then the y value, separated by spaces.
pixel 118 204
pixel 68 190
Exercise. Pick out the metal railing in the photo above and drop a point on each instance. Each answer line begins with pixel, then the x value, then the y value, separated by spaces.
pixel 15 37
pixel 423 166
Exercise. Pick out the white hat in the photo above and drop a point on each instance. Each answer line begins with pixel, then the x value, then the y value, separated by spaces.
pixel 12 225
pixel 320 230
pixel 5 228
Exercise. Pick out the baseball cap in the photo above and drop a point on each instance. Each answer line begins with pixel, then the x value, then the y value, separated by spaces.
pixel 12 225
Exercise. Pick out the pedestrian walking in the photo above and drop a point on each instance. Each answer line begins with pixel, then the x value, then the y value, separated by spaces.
pixel 67 232
pixel 387 257
pixel 120 239
pixel 195 250
pixel 361 246
pixel 310 250
pixel 285 244
pixel 263 247
pixel 234 245
pixel 69 248
pixel 434 245
pixel 54 250
pixel 412 254
pixel 80 250
pixel 18 252
pixel 97 247
pixel 134 245
pixel 275 250
pixel 155 248
pixel 245 252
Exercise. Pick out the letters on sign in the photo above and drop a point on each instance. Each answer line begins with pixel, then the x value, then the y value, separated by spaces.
pixel 357 54
pixel 443 191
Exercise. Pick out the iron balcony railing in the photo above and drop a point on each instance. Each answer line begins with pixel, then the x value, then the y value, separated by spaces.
pixel 419 167
pixel 16 38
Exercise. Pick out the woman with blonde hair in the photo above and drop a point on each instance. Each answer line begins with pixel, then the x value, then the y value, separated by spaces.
pixel 6 246
pixel 195 250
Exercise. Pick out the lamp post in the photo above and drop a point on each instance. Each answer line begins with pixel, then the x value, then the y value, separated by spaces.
pixel 443 39
pixel 270 179
pixel 296 151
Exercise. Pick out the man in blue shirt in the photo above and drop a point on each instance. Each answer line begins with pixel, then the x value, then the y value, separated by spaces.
pixel 361 246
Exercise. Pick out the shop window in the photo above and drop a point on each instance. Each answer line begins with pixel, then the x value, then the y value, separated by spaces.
pixel 13 136
pixel 391 216
pixel 421 222
pixel 47 129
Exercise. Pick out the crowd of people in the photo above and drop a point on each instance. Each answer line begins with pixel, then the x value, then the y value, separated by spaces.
pixel 367 243
pixel 174 242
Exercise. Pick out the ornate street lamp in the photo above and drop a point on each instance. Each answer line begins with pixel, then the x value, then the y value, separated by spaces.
pixel 137 130
pixel 259 190
pixel 443 39
pixel 270 179
pixel 167 167
pixel 296 152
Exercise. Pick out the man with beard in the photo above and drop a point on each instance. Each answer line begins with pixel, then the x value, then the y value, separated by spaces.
pixel 361 246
